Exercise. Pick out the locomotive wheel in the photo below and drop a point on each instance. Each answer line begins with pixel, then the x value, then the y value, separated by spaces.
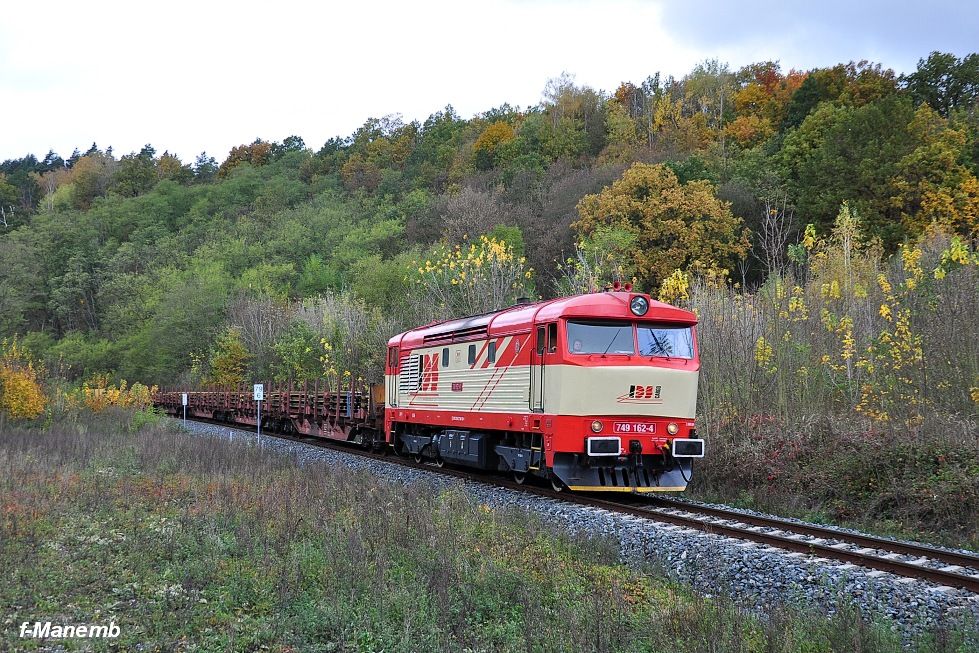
pixel 520 477
pixel 557 484
pixel 418 458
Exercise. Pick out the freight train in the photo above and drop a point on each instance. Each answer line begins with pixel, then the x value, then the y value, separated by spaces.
pixel 593 392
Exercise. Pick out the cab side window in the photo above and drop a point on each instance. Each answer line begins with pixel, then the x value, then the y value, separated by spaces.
pixel 540 340
pixel 552 337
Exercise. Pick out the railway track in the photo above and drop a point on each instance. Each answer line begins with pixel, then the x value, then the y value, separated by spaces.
pixel 917 561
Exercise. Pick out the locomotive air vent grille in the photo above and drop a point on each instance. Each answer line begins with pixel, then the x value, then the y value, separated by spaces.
pixel 408 380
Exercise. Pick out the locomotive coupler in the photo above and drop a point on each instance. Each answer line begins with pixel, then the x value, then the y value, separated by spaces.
pixel 635 449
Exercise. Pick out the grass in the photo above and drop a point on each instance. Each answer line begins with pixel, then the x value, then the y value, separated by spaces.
pixel 194 544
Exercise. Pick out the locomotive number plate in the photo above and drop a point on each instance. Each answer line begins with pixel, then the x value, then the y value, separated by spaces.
pixel 633 427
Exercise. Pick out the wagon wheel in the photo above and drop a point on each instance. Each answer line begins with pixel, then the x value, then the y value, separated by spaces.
pixel 418 457
pixel 439 462
pixel 520 477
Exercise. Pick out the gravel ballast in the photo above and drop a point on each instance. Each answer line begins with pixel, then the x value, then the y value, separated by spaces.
pixel 757 576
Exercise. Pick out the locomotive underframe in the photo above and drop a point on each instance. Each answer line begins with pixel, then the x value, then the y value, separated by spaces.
pixel 516 453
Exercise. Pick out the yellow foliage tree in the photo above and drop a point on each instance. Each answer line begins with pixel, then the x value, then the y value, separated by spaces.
pixel 749 130
pixel 933 184
pixel 675 225
pixel 229 359
pixel 489 142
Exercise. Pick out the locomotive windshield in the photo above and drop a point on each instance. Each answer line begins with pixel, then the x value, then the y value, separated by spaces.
pixel 668 341
pixel 621 338
pixel 600 338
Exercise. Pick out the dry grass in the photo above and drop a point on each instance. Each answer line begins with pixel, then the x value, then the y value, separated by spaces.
pixel 191 543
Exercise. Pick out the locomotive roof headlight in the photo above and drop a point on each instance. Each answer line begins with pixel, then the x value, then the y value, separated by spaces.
pixel 639 305
pixel 596 426
pixel 672 428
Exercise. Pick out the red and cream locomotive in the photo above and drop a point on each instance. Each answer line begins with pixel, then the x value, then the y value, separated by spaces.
pixel 592 392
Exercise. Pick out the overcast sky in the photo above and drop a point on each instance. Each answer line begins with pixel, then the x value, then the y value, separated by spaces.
pixel 208 75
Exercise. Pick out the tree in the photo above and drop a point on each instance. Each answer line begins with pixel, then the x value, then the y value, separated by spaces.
pixel 623 139
pixel 602 257
pixel 292 144
pixel 490 142
pixel 205 168
pixel 708 90
pixel 845 153
pixel 852 84
pixel 933 185
pixel 52 161
pixel 8 192
pixel 467 213
pixel 297 354
pixel 945 82
pixel 485 276
pixel 675 225
pixel 135 173
pixel 92 177
pixel 258 153
pixel 576 124
pixel 229 359
pixel 169 166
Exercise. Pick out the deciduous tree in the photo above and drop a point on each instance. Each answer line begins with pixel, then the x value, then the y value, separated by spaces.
pixel 229 359
pixel 945 82
pixel 675 225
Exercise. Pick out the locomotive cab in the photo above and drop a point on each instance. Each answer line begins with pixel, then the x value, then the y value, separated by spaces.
pixel 627 391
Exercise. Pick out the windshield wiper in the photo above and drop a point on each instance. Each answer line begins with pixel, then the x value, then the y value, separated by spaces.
pixel 660 345
pixel 611 342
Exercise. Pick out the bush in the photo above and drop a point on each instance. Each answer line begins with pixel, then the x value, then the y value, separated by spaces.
pixel 21 394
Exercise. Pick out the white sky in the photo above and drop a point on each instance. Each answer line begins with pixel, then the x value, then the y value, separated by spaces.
pixel 208 75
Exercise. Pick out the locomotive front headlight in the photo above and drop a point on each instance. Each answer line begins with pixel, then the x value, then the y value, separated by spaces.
pixel 672 428
pixel 596 426
pixel 639 305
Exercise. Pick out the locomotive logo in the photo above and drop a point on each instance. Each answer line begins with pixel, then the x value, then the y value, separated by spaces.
pixel 642 394
pixel 430 373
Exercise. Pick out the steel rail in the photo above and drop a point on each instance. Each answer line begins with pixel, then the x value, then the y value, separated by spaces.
pixel 947 577
pixel 871 541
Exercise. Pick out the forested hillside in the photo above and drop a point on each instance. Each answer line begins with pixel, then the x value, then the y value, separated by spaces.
pixel 285 261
